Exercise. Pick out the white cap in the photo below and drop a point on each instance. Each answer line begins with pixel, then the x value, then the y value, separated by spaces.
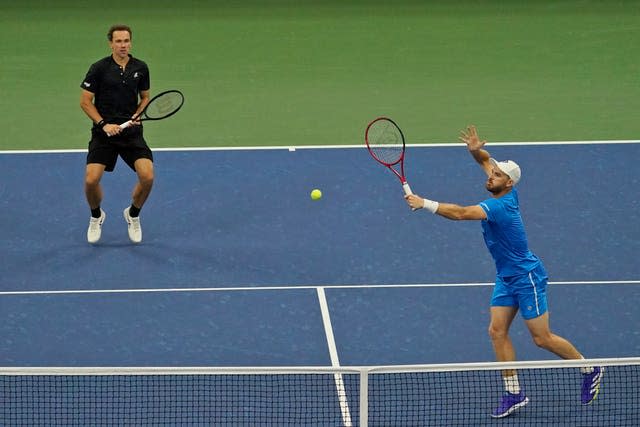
pixel 509 167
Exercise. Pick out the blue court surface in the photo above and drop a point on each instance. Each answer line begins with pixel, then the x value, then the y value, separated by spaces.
pixel 237 259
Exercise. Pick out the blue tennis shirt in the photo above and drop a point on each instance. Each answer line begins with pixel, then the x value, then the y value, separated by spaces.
pixel 505 237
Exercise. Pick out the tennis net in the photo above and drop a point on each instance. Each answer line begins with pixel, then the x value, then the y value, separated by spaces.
pixel 420 395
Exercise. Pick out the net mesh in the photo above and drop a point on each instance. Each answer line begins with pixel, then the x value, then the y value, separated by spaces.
pixel 385 141
pixel 457 395
pixel 468 398
pixel 154 400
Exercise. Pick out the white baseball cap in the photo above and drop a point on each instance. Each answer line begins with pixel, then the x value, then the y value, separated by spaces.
pixel 509 167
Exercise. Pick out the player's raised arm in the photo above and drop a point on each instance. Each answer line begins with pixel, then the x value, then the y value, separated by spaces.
pixel 475 146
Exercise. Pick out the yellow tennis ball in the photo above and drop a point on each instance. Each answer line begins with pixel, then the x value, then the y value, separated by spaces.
pixel 316 194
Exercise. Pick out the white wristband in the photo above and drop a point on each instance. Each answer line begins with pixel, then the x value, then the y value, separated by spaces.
pixel 430 205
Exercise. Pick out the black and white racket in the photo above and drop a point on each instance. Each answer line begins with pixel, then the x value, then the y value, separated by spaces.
pixel 161 106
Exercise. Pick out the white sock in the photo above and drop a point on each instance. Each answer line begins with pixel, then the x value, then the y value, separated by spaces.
pixel 586 369
pixel 511 384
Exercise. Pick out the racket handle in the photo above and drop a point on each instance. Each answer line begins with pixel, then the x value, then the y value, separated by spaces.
pixel 126 124
pixel 407 191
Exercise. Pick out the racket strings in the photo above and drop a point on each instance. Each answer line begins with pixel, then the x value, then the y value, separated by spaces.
pixel 164 105
pixel 385 142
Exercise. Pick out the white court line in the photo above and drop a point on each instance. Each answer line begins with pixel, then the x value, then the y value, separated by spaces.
pixel 316 147
pixel 328 328
pixel 335 361
pixel 294 287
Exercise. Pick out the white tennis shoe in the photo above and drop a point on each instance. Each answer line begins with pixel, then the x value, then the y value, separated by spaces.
pixel 95 228
pixel 133 227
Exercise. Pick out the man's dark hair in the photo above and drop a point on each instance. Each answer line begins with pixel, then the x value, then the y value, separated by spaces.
pixel 118 27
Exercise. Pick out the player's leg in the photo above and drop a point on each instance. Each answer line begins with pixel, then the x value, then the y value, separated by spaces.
pixel 92 187
pixel 100 158
pixel 141 161
pixel 531 290
pixel 93 193
pixel 514 397
pixel 501 319
pixel 537 322
pixel 504 308
pixel 142 189
pixel 544 338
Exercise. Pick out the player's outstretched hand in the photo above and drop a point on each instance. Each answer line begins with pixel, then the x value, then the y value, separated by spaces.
pixel 470 137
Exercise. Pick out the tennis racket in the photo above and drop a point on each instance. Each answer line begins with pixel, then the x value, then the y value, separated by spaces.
pixel 161 106
pixel 385 143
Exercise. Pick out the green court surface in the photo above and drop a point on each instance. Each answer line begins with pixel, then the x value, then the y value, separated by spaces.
pixel 315 72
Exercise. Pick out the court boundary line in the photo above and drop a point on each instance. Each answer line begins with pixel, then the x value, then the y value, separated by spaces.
pixel 318 147
pixel 341 391
pixel 328 328
pixel 298 287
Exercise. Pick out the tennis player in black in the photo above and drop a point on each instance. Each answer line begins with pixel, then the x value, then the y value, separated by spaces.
pixel 115 89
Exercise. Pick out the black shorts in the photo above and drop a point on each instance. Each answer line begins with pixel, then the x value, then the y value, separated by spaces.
pixel 130 145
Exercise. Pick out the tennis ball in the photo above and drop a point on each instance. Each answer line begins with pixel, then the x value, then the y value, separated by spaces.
pixel 316 194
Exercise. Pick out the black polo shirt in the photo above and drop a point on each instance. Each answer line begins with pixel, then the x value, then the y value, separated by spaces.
pixel 116 90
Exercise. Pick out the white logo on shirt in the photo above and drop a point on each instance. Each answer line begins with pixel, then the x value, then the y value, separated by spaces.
pixel 86 84
pixel 135 75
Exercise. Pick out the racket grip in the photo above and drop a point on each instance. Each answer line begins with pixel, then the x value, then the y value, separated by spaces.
pixel 407 191
pixel 126 124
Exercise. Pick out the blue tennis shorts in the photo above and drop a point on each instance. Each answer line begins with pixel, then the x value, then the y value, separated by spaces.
pixel 528 292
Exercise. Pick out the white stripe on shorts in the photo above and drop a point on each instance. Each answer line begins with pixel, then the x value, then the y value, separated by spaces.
pixel 535 293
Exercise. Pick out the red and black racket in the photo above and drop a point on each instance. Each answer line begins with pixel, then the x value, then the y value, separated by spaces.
pixel 385 142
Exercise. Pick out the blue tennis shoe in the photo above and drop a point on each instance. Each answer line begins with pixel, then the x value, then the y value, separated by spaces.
pixel 591 385
pixel 509 404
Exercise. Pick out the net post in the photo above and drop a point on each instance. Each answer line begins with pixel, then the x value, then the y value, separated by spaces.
pixel 364 398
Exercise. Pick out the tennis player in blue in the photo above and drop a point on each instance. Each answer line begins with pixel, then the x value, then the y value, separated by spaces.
pixel 521 279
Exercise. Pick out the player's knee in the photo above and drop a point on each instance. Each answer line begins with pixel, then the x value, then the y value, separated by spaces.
pixel 147 180
pixel 91 181
pixel 496 333
pixel 145 176
pixel 542 341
